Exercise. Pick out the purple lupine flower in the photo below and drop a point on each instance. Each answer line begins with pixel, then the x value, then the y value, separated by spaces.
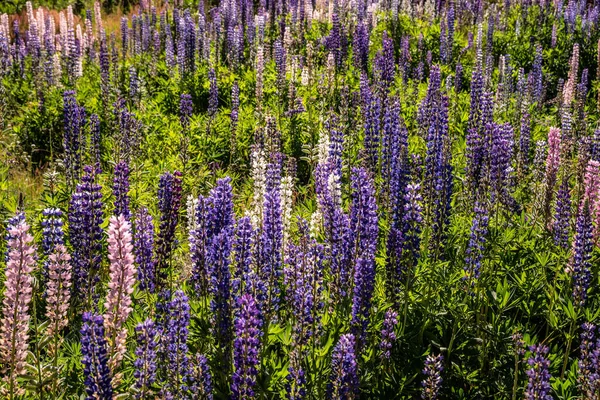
pixel 185 110
pixel 169 52
pixel 538 387
pixel 371 110
pixel 279 55
pixel 364 224
pixel 580 265
pixel 388 336
pixel 219 242
pixel 52 232
pixel 500 163
pixel 589 359
pixel 143 247
pixel 95 138
pixel 95 358
pixel 450 18
pixel 411 222
pixel 243 243
pixel 121 190
pixel 304 284
pixel 562 215
pixel 271 239
pixel 476 246
pixel 360 47
pixel 198 239
pixel 18 287
pixel 118 303
pixel 85 233
pixel 176 336
pixel 458 77
pixel 124 36
pixel 295 385
pixel 202 380
pixel 246 346
pixel 74 120
pixel 438 170
pixel 433 377
pixel 145 359
pixel 344 370
pixel 134 85
pixel 169 201
pixel 213 93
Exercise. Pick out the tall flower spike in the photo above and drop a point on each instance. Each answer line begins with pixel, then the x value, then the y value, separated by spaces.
pixel 85 233
pixel 583 245
pixel 433 377
pixel 388 336
pixel 18 284
pixel 145 361
pixel 185 110
pixel 538 387
pixel 95 358
pixel 476 246
pixel 344 370
pixel 121 190
pixel 143 247
pixel 169 201
pixel 246 348
pixel 118 303
pixel 202 378
pixel 589 367
pixel 52 233
pixel 365 227
pixel 178 372
pixel 58 292
pixel 562 215
pixel 213 96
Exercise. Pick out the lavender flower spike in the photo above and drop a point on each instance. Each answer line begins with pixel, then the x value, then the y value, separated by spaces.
pixel 145 362
pixel 95 358
pixel 433 381
pixel 120 287
pixel 246 348
pixel 344 370
pixel 15 306
pixel 538 387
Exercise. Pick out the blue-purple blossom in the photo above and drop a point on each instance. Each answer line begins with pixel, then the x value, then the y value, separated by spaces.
pixel 538 387
pixel 145 361
pixel 476 246
pixel 344 370
pixel 143 248
pixel 433 377
pixel 388 334
pixel 246 346
pixel 583 245
pixel 95 358
pixel 121 190
pixel 562 215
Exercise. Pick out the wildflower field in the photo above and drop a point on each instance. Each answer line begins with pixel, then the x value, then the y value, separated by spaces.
pixel 300 199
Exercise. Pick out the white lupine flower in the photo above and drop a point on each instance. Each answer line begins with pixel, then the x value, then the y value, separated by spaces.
pixel 192 208
pixel 323 148
pixel 316 223
pixel 334 186
pixel 259 176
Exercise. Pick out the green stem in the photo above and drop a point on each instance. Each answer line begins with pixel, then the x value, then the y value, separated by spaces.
pixel 568 351
pixel 516 377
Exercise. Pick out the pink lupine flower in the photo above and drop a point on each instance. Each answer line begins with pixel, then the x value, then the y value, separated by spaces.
pixel 58 292
pixel 592 181
pixel 15 306
pixel 120 287
pixel 553 160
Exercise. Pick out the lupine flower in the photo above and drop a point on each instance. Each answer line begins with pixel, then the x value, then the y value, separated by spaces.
pixel 95 358
pixel 143 247
pixel 433 377
pixel 538 387
pixel 552 164
pixel 476 246
pixel 580 265
pixel 52 232
pixel 589 367
pixel 562 215
pixel 235 110
pixel 74 120
pixel 202 380
pixel 213 96
pixel 176 335
pixel 121 190
pixel 145 361
pixel 120 287
pixel 169 201
pixel 85 233
pixel 242 248
pixel 271 238
pixel 525 141
pixel 58 292
pixel 246 346
pixel 365 227
pixel 388 336
pixel 14 326
pixel 344 370
pixel 411 222
pixel 185 110
pixel 295 385
pixel 360 46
